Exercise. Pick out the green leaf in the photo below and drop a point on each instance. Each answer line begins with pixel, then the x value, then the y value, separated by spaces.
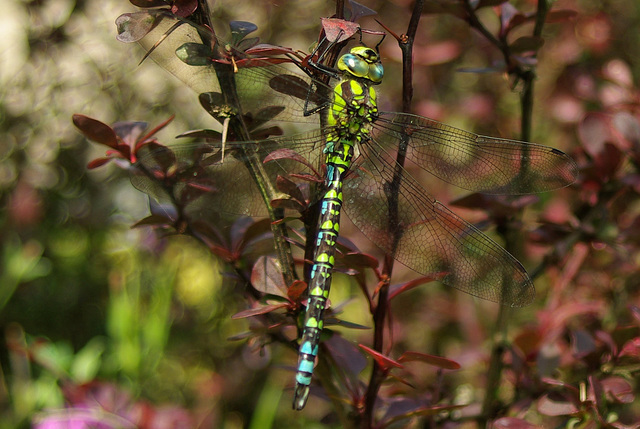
pixel 87 361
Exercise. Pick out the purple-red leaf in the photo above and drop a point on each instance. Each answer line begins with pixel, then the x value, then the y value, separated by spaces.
pixel 384 362
pixel 360 260
pixel 258 310
pixel 290 188
pixel 560 15
pixel 512 423
pixel 267 277
pixel 556 406
pixel 526 44
pixel 338 30
pixel 184 8
pixel 148 3
pixel 95 130
pixel 287 203
pixel 405 408
pixel 98 162
pixel 438 361
pixel 154 220
pixel 395 290
pixel 287 154
pixel 631 349
pixel 619 389
pixel 346 355
pixel 635 312
pixel 296 290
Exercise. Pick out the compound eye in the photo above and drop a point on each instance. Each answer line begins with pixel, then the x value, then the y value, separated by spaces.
pixel 354 65
pixel 376 72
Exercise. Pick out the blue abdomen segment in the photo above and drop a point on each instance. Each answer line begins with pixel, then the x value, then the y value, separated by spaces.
pixel 324 259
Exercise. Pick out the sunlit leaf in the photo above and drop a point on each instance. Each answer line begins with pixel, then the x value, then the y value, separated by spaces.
pixel 383 361
pixel 134 26
pixel 195 54
pixel 338 30
pixel 95 130
pixel 296 290
pixel 267 277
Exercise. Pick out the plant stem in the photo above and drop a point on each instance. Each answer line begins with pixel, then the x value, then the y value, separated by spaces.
pixel 226 77
pixel 378 374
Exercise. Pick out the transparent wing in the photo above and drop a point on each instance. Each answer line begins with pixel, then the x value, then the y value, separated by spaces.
pixel 427 237
pixel 260 82
pixel 200 180
pixel 474 162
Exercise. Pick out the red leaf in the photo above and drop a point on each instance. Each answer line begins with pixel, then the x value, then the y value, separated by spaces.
pixel 619 389
pixel 267 277
pixel 395 290
pixel 528 341
pixel 417 411
pixel 438 361
pixel 553 382
pixel 287 203
pixel 553 407
pixel 360 260
pixel 98 162
pixel 290 188
pixel 142 141
pixel 526 44
pixel 95 130
pixel 154 220
pixel 148 3
pixel 338 30
pixel 288 154
pixel 560 15
pixel 296 290
pixel 385 363
pixel 184 8
pixel 594 131
pixel 242 234
pixel 631 348
pixel 512 423
pixel 257 311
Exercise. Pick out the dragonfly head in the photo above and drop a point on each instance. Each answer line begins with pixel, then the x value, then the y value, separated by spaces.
pixel 362 62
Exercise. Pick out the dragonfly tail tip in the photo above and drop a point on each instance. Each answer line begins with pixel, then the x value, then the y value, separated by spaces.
pixel 300 397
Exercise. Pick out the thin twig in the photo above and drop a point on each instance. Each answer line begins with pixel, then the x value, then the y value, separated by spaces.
pixel 378 374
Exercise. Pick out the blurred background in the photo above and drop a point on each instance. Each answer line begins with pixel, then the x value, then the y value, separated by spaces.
pixel 90 307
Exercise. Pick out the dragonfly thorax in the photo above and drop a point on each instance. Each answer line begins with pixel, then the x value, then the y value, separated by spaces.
pixel 363 63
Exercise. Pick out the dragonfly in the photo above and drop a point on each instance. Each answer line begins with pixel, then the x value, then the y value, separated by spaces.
pixel 354 151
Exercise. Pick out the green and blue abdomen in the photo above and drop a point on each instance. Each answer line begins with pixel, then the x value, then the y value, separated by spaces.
pixel 352 120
